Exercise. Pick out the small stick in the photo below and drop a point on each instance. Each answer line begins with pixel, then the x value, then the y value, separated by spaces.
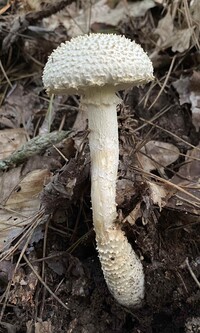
pixel 192 273
pixel 21 23
pixel 33 147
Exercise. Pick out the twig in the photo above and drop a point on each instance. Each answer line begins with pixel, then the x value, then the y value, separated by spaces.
pixel 21 23
pixel 33 17
pixel 5 75
pixel 165 82
pixel 33 147
pixel 44 284
pixel 192 273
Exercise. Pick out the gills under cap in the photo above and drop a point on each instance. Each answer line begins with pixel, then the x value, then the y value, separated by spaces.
pixel 96 60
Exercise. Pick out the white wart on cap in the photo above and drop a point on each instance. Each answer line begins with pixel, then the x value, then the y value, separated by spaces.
pixel 96 60
pixel 96 66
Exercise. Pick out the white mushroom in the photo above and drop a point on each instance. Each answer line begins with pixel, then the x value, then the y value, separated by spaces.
pixel 96 66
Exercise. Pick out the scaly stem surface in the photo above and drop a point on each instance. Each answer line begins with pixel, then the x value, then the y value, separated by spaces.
pixel 122 269
pixel 104 152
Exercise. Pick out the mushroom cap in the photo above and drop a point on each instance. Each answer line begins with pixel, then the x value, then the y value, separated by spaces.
pixel 96 60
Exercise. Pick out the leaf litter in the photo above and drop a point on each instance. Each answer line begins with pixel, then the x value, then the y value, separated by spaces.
pixel 189 92
pixel 49 273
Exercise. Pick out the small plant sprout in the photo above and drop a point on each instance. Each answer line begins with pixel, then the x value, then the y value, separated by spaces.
pixel 96 66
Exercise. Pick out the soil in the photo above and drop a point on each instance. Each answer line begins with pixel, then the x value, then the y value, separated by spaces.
pixel 166 240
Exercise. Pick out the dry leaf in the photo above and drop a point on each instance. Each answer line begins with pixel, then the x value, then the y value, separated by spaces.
pixel 18 108
pixel 80 22
pixel 165 29
pixel 125 191
pixel 11 140
pixel 134 214
pixel 195 11
pixel 169 36
pixel 182 87
pixel 195 99
pixel 157 194
pixel 6 270
pixel 192 325
pixel 160 2
pixel 29 326
pixel 180 41
pixel 189 92
pixel 157 155
pixel 44 327
pixel 23 285
pixel 20 202
pixel 40 327
pixel 23 288
pixel 188 178
pixel 25 6
pixel 10 328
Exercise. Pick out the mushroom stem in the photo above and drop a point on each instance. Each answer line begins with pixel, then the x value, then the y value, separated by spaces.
pixel 122 269
pixel 104 152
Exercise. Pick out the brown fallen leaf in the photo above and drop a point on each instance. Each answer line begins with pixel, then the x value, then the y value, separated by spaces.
pixel 192 325
pixel 10 140
pixel 195 99
pixel 188 179
pixel 18 108
pixel 165 30
pixel 9 327
pixel 67 184
pixel 19 202
pixel 157 194
pixel 23 285
pixel 25 6
pixel 44 327
pixel 169 36
pixel 182 87
pixel 125 191
pixel 195 11
pixel 133 215
pixel 157 155
pixel 180 41
pixel 80 21
pixel 6 272
pixel 188 89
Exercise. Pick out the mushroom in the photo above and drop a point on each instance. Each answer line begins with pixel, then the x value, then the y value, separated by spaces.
pixel 96 66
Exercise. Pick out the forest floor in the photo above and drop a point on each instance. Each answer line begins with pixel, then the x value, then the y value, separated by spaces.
pixel 50 274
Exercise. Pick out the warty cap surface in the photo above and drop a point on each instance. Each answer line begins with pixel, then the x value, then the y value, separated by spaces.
pixel 96 60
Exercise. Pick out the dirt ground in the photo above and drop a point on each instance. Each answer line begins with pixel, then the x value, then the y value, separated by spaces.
pixel 50 275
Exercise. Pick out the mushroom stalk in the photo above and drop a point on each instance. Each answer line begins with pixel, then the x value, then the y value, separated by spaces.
pixel 122 269
pixel 104 152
